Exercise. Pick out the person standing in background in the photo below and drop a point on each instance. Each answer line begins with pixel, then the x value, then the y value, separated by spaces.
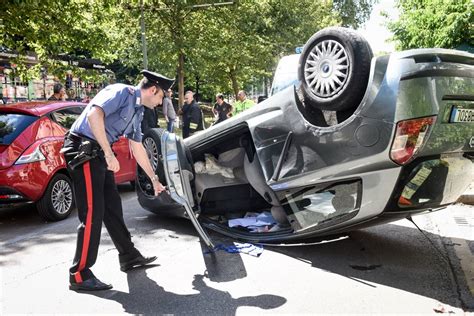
pixel 168 110
pixel 192 115
pixel 221 109
pixel 243 103
pixel 59 93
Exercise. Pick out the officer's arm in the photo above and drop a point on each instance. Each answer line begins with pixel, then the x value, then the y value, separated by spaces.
pixel 95 117
pixel 141 157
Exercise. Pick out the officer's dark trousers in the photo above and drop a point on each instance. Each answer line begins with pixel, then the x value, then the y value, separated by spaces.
pixel 97 200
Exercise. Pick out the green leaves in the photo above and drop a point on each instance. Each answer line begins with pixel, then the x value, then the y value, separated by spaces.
pixel 434 23
pixel 227 47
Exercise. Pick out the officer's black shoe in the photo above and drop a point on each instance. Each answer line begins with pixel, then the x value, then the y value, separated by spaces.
pixel 136 262
pixel 92 284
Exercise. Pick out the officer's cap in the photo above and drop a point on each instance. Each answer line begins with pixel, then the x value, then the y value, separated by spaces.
pixel 164 82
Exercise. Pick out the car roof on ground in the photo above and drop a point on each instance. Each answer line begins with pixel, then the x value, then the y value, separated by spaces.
pixel 38 108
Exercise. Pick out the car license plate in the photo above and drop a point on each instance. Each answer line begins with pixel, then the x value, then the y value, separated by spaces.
pixel 459 115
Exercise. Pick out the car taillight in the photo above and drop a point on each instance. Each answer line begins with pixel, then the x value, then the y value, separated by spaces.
pixel 32 154
pixel 410 136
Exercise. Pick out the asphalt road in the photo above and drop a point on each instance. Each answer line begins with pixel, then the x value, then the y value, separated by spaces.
pixel 392 268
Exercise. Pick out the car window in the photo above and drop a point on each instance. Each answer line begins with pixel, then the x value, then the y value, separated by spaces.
pixel 65 117
pixel 312 207
pixel 12 124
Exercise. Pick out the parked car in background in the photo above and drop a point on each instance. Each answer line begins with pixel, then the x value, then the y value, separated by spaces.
pixel 355 141
pixel 32 170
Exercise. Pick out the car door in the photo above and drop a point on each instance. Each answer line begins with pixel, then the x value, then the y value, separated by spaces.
pixel 178 173
pixel 128 166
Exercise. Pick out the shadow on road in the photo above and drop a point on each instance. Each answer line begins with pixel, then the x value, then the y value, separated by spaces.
pixel 21 227
pixel 146 297
pixel 221 266
pixel 390 255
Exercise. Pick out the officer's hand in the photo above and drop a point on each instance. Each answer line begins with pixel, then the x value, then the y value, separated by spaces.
pixel 112 163
pixel 158 187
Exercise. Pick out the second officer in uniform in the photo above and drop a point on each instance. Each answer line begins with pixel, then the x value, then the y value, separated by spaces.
pixel 115 111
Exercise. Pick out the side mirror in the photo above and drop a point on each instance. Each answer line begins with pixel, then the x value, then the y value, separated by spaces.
pixel 261 98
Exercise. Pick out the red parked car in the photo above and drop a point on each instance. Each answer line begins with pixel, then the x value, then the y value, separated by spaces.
pixel 32 170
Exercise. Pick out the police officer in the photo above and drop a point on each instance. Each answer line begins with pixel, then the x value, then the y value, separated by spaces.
pixel 116 110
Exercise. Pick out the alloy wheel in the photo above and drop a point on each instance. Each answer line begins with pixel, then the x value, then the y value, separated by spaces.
pixel 327 68
pixel 152 151
pixel 61 196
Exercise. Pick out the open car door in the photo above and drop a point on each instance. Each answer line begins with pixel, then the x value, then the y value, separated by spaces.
pixel 179 174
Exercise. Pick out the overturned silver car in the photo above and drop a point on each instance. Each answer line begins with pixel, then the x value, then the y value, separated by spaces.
pixel 358 141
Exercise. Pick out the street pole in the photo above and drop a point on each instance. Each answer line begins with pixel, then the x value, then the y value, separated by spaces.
pixel 14 83
pixel 142 22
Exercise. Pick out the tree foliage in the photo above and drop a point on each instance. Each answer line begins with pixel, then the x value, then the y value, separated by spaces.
pixel 53 27
pixel 224 48
pixel 353 13
pixel 433 23
pixel 60 29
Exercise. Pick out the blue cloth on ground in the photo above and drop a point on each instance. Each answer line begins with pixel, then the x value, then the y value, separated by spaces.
pixel 248 248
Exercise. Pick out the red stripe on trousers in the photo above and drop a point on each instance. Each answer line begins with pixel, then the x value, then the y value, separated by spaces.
pixel 77 277
pixel 87 231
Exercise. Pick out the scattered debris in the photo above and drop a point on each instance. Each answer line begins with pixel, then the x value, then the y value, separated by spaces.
pixel 365 268
pixel 440 309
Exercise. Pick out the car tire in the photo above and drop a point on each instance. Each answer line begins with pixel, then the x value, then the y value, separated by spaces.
pixel 334 69
pixel 58 200
pixel 152 143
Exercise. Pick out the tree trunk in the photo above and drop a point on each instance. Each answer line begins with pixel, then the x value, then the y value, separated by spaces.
pixel 235 84
pixel 181 79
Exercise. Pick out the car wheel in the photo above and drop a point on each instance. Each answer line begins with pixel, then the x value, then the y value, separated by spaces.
pixel 58 201
pixel 152 143
pixel 334 69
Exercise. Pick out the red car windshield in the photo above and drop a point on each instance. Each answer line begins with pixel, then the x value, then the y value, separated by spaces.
pixel 12 124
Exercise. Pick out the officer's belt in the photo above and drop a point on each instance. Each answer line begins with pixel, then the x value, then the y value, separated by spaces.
pixel 77 138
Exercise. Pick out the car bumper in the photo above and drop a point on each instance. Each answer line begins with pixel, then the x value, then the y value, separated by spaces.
pixel 10 197
pixel 28 180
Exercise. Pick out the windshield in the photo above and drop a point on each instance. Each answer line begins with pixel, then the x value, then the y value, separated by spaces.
pixel 11 125
pixel 286 73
